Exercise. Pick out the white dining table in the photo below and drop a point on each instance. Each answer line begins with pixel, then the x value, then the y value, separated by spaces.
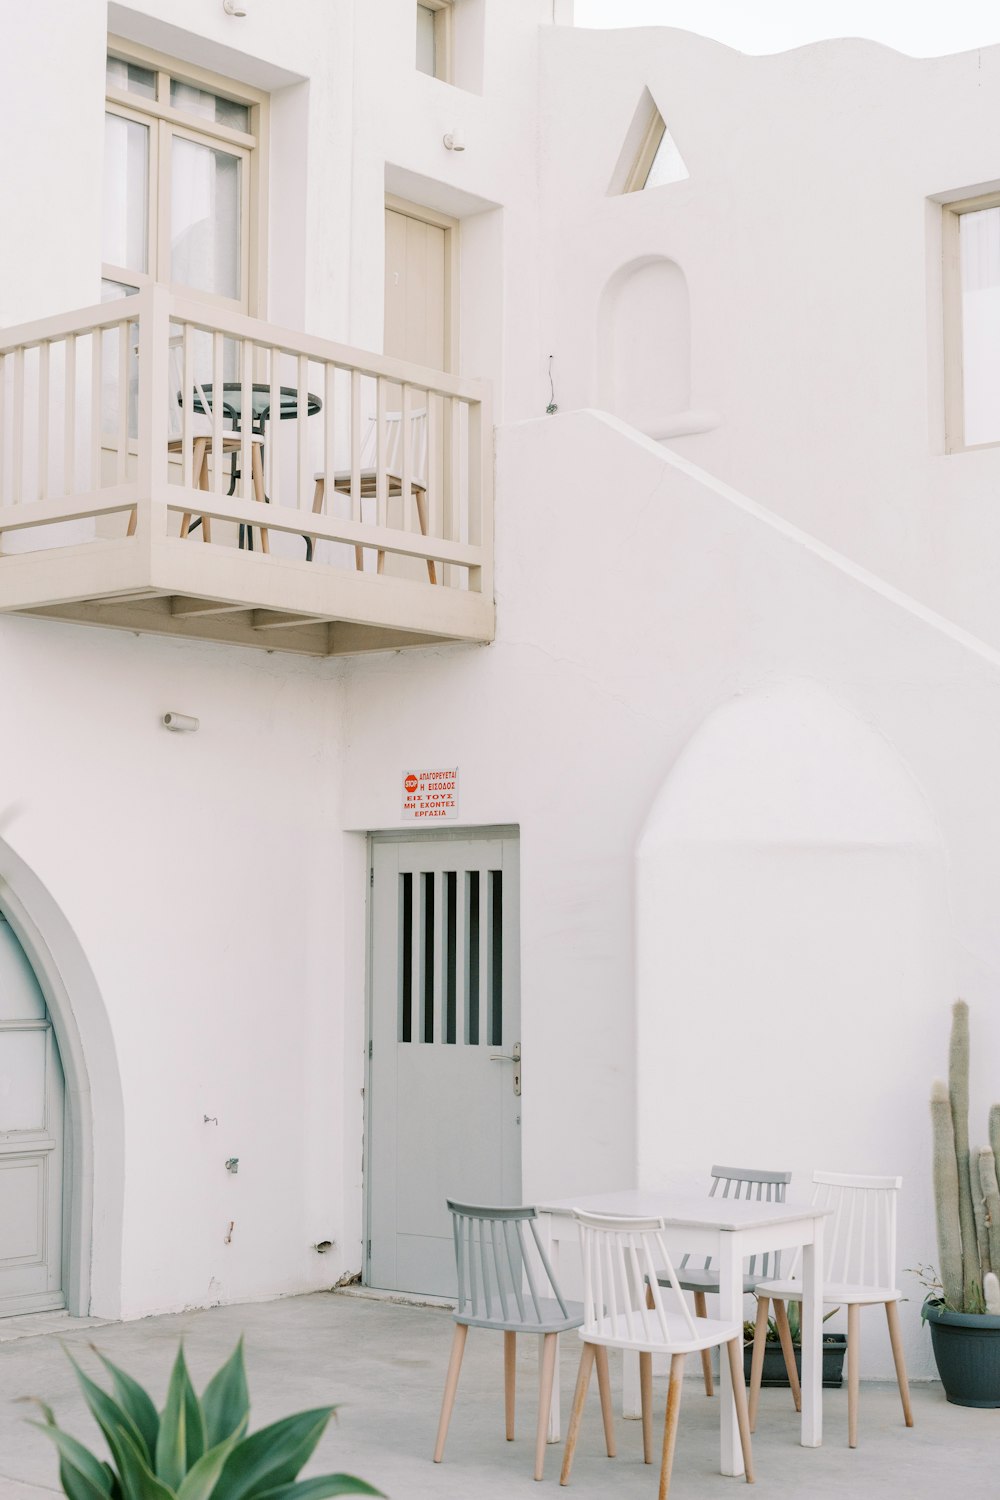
pixel 730 1231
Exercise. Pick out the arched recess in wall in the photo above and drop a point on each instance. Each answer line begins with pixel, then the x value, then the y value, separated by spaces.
pixel 644 349
pixel 793 946
pixel 94 1134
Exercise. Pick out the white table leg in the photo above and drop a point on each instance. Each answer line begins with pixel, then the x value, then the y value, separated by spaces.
pixel 812 1339
pixel 547 1228
pixel 730 1311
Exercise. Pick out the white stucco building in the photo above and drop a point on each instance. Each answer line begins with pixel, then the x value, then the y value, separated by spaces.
pixel 714 647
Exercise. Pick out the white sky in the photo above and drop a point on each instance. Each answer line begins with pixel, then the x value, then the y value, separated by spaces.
pixel 922 28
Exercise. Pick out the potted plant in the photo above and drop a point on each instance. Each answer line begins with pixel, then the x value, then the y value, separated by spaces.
pixel 774 1373
pixel 964 1314
pixel 197 1448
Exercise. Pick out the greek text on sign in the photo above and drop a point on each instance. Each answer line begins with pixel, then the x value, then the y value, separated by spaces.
pixel 429 796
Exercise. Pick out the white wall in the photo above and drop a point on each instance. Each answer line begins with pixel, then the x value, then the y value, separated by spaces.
pixel 822 894
pixel 813 259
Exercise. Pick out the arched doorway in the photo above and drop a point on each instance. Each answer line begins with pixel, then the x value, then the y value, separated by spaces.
pixel 32 1111
pixel 60 1000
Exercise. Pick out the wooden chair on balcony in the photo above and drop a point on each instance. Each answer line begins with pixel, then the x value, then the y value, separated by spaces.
pixel 200 417
pixel 392 424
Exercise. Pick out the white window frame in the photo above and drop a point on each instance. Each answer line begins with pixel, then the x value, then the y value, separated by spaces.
pixel 166 122
pixel 954 380
pixel 443 39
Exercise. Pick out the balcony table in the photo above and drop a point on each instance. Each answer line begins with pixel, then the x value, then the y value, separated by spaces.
pixel 729 1230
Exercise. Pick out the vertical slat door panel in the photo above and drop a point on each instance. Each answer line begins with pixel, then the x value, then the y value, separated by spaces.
pixel 443 1120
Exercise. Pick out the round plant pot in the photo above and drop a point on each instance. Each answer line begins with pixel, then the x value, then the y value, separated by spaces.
pixel 774 1372
pixel 967 1351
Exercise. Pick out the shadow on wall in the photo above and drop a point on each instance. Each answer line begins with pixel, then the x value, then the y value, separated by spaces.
pixel 644 349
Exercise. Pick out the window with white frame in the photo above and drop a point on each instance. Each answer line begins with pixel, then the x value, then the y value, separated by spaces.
pixel 180 190
pixel 434 38
pixel 972 323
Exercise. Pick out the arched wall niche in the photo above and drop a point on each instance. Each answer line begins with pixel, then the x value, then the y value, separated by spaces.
pixel 793 956
pixel 644 345
pixel 94 1160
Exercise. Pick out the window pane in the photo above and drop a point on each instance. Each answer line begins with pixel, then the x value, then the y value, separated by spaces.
pixel 126 75
pixel 22 1080
pixel 205 187
pixel 206 106
pixel 979 236
pixel 126 193
pixel 426 51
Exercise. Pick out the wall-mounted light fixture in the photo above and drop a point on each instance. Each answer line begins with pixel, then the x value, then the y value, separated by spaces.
pixel 234 7
pixel 455 139
pixel 180 722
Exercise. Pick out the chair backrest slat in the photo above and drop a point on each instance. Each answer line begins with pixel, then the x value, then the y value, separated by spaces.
pixel 860 1232
pixel 760 1186
pixel 505 1278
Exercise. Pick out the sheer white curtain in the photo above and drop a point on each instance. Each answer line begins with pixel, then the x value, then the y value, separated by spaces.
pixel 126 193
pixel 205 189
pixel 979 238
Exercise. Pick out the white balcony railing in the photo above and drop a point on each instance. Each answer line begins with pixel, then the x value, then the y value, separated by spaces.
pixel 124 479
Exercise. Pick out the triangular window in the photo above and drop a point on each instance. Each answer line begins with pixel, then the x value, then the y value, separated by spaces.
pixel 650 156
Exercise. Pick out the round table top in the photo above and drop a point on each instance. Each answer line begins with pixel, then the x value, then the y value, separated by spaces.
pixel 232 401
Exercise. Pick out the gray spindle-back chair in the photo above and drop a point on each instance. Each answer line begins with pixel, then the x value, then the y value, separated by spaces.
pixel 859 1269
pixel 734 1182
pixel 633 1299
pixel 505 1282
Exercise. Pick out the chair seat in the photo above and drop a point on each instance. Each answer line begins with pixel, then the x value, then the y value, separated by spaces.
pixel 839 1293
pixel 368 480
pixel 552 1318
pixel 690 1280
pixel 232 442
pixel 616 1332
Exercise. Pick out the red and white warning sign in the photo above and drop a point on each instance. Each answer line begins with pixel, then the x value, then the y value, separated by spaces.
pixel 429 796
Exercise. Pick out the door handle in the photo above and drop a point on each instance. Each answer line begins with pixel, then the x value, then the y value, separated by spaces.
pixel 513 1056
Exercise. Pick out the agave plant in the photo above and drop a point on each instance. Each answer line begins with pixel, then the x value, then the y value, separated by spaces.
pixel 196 1448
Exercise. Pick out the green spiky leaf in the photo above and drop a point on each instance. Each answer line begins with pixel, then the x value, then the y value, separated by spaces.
pixel 274 1455
pixel 200 1481
pixel 114 1422
pixel 138 1480
pixel 81 1473
pixel 133 1399
pixel 180 1441
pixel 320 1488
pixel 225 1401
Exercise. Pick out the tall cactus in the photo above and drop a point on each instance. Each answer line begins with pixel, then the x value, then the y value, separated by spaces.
pixel 946 1198
pixel 991 1198
pixel 958 1089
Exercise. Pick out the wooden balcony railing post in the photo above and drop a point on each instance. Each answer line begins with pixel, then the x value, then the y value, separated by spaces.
pixel 154 394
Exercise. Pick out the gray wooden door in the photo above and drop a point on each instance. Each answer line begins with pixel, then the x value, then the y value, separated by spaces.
pixel 31 1140
pixel 444 1111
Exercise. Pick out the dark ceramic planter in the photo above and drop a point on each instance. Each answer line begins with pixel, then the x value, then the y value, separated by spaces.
pixel 967 1351
pixel 834 1349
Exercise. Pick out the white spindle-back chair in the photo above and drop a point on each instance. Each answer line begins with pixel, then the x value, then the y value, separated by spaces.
pixel 633 1300
pixel 393 467
pixel 505 1282
pixel 859 1260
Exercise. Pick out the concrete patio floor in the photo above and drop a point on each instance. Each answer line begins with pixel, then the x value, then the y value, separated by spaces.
pixel 385 1364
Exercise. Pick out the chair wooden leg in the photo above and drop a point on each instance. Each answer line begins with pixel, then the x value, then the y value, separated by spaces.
pixel 206 521
pixel 892 1318
pixel 579 1397
pixel 257 468
pixel 546 1378
pixel 421 500
pixel 787 1349
pixel 735 1349
pixel 701 1311
pixel 319 498
pixel 670 1422
pixel 450 1387
pixel 509 1381
pixel 853 1371
pixel 607 1408
pixel 757 1358
pixel 645 1391
pixel 198 478
pixel 133 517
